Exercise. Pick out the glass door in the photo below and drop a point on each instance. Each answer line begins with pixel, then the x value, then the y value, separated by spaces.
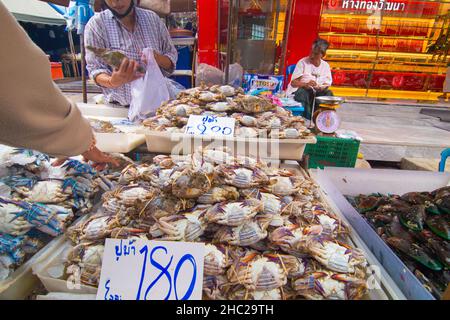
pixel 257 34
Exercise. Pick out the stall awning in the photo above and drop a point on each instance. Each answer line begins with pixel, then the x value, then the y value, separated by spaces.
pixel 34 11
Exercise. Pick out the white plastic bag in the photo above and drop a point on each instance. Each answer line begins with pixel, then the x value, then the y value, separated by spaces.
pixel 149 92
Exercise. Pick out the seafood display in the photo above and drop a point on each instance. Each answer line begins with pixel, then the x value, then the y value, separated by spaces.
pixel 416 226
pixel 267 232
pixel 37 202
pixel 255 116
pixel 101 126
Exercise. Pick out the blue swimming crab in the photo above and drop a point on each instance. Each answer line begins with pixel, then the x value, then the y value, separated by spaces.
pixel 48 219
pixel 73 166
pixel 324 284
pixel 234 213
pixel 10 223
pixel 258 273
pixel 112 57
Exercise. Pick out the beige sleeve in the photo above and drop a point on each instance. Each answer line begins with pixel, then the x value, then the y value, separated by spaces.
pixel 34 113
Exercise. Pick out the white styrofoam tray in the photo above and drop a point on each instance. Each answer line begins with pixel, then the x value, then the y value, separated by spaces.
pixel 102 110
pixel 386 290
pixel 337 182
pixel 124 142
pixel 57 259
pixel 381 286
pixel 180 143
pixel 22 282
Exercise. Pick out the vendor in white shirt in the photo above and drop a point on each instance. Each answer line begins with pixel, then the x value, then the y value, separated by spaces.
pixel 311 74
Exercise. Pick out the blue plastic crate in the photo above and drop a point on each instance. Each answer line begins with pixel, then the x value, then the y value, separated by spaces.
pixel 296 111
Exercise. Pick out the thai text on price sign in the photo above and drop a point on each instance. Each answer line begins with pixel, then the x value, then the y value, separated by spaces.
pixel 136 269
pixel 210 125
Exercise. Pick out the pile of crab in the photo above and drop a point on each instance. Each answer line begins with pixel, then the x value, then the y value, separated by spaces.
pixel 102 126
pixel 255 116
pixel 37 202
pixel 268 234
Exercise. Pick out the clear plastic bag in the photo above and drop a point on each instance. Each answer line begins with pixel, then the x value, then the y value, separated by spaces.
pixel 235 75
pixel 174 88
pixel 208 75
pixel 149 92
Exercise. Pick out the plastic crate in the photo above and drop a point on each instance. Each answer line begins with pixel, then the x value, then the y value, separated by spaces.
pixel 296 111
pixel 57 71
pixel 332 152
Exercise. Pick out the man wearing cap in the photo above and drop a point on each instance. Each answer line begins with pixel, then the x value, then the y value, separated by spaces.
pixel 123 27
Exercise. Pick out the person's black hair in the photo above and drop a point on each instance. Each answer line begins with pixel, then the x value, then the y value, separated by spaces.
pixel 321 44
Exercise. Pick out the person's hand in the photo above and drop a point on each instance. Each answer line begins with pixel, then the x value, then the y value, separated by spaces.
pixel 127 72
pixel 99 159
pixel 312 84
pixel 321 88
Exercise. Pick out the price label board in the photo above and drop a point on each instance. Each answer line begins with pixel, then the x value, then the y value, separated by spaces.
pixel 210 126
pixel 136 269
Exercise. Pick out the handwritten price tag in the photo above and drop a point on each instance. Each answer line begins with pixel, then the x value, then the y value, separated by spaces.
pixel 151 270
pixel 210 126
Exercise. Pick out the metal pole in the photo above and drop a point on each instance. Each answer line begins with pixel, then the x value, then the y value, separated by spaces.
pixel 219 33
pixel 287 26
pixel 275 33
pixel 313 108
pixel 229 27
pixel 83 67
pixel 74 56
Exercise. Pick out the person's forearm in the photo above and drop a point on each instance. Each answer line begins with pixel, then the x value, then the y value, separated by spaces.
pixel 297 83
pixel 104 80
pixel 163 61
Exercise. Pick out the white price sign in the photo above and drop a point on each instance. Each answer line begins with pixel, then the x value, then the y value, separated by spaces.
pixel 151 270
pixel 210 126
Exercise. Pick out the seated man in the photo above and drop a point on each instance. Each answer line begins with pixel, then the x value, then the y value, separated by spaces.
pixel 311 76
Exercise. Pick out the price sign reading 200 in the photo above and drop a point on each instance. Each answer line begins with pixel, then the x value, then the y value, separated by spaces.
pixel 165 274
pixel 210 126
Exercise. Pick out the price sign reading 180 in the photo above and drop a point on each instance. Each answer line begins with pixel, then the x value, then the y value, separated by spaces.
pixel 210 126
pixel 135 269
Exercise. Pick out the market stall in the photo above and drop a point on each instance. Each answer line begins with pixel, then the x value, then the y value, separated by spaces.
pixel 245 212
pixel 219 205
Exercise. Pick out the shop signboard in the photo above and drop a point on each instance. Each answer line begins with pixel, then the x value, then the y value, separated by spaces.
pixel 422 8
pixel 136 269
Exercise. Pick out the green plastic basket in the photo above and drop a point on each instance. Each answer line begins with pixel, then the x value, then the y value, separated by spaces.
pixel 332 152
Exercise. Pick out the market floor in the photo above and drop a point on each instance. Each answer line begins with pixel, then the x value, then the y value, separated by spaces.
pixel 391 132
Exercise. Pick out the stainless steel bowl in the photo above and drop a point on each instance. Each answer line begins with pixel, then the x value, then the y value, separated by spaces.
pixel 330 100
